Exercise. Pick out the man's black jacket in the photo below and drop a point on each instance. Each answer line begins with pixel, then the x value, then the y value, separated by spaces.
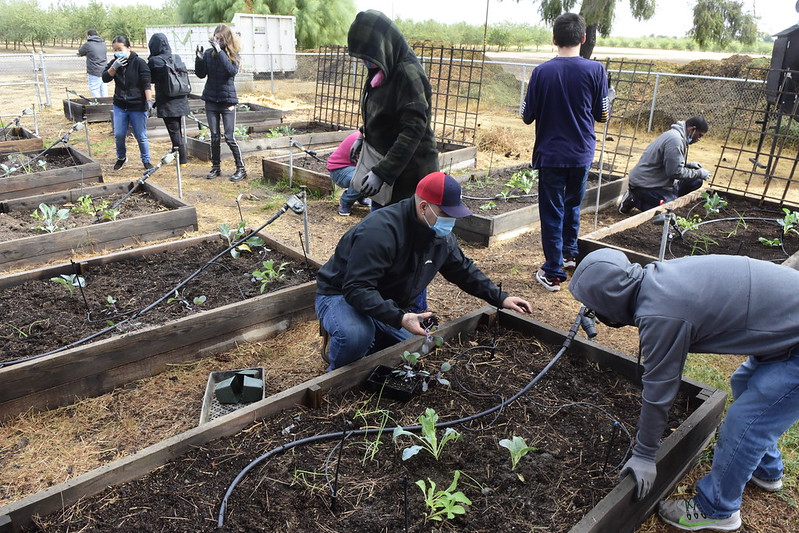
pixel 384 262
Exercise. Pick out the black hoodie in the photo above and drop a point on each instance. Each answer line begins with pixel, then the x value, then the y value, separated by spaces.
pixel 130 82
pixel 160 52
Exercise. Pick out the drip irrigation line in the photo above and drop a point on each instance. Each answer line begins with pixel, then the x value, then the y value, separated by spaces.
pixel 476 394
pixel 369 431
pixel 63 139
pixel 500 197
pixel 291 203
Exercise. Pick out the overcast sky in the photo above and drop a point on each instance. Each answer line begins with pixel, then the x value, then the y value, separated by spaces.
pixel 672 17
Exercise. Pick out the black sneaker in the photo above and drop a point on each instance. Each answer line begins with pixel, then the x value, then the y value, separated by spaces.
pixel 550 283
pixel 148 166
pixel 239 175
pixel 120 163
pixel 627 203
pixel 215 172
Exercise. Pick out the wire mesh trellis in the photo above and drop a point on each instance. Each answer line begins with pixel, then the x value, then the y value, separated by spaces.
pixel 761 151
pixel 631 80
pixel 455 74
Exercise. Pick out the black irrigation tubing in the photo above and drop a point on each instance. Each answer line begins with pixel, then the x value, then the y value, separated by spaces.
pixel 168 294
pixel 64 139
pixel 369 431
pixel 500 197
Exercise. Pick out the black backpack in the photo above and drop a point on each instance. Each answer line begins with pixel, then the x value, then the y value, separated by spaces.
pixel 177 77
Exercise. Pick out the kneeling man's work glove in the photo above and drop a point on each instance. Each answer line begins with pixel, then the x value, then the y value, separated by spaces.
pixel 704 174
pixel 693 165
pixel 371 184
pixel 643 471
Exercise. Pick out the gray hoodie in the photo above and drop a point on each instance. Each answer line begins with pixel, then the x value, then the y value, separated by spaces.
pixel 95 51
pixel 706 304
pixel 663 161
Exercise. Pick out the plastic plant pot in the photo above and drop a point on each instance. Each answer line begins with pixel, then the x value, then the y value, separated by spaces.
pixel 252 389
pixel 229 390
pixel 383 380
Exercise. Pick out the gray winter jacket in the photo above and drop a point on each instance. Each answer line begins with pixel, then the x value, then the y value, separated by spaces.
pixel 663 161
pixel 95 51
pixel 704 304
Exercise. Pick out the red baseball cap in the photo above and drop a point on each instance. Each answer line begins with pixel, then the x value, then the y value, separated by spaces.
pixel 444 191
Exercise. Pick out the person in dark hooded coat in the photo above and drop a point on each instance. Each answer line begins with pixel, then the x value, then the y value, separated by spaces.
pixel 396 106
pixel 706 304
pixel 168 108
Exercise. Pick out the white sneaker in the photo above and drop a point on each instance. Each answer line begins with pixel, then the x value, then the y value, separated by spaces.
pixel 769 486
pixel 685 515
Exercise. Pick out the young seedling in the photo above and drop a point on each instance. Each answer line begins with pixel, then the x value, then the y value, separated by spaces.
pixel 365 415
pixel 488 206
pixel 524 180
pixel 518 448
pixel 204 134
pixel 713 202
pixel 192 306
pixel 789 221
pixel 70 281
pixel 241 132
pixel 770 242
pixel 428 439
pixel 445 503
pixel 84 205
pixel 234 235
pixel 49 215
pixel 410 370
pixel 269 273
pixel 280 131
pixel 108 214
pixel 688 224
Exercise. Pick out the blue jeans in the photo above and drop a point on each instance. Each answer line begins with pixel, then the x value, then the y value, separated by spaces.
pixel 138 121
pixel 560 192
pixel 96 86
pixel 645 199
pixel 353 335
pixel 766 405
pixel 343 178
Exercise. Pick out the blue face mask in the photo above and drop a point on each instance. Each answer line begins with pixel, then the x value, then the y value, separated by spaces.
pixel 443 225
pixel 120 55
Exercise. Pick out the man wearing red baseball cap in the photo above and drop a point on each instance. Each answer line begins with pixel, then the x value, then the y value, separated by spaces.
pixel 380 265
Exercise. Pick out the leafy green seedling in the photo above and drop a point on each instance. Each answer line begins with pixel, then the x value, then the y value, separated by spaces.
pixel 445 503
pixel 191 306
pixel 108 214
pixel 280 131
pixel 84 205
pixel 517 447
pixel 70 281
pixel 789 221
pixel 269 273
pixel 769 242
pixel 234 235
pixel 713 202
pixel 488 206
pixel 199 300
pixel 524 179
pixel 204 134
pixel 428 439
pixel 49 215
pixel 688 224
pixel 241 132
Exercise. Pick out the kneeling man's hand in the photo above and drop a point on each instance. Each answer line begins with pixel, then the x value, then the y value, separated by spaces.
pixel 412 322
pixel 517 304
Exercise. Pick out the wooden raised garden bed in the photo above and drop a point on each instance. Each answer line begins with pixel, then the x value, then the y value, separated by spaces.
pixel 256 118
pixel 102 109
pixel 171 332
pixel 517 217
pixel 269 499
pixel 307 134
pixel 20 139
pixel 308 171
pixel 639 237
pixel 173 219
pixel 83 170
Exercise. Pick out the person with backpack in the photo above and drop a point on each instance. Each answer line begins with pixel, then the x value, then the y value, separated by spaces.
pixel 170 77
pixel 220 64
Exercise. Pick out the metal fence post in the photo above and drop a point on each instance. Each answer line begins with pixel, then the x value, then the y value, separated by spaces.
pixel 36 79
pixel 44 79
pixel 654 99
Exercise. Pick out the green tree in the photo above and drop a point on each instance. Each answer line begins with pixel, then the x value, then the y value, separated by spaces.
pixel 722 21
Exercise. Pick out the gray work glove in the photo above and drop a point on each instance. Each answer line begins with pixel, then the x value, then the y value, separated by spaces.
pixel 643 471
pixel 693 165
pixel 150 106
pixel 704 174
pixel 355 150
pixel 119 63
pixel 199 51
pixel 215 45
pixel 371 184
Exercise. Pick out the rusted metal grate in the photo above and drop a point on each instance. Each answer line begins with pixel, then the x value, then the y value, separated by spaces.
pixel 761 151
pixel 455 74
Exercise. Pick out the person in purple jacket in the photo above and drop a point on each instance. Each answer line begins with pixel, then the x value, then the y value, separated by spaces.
pixel 564 98
pixel 706 304
pixel 341 165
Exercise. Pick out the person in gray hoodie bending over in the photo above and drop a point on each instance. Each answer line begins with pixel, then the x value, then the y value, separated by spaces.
pixel 663 173
pixel 706 304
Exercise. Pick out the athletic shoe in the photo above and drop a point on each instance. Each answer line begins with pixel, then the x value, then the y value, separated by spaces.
pixel 627 203
pixel 148 166
pixel 325 344
pixel 685 515
pixel 215 172
pixel 569 262
pixel 769 486
pixel 344 210
pixel 550 283
pixel 239 175
pixel 366 202
pixel 120 163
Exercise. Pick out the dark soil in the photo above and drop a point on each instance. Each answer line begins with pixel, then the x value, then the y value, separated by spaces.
pixel 39 316
pixel 573 465
pixel 729 237
pixel 310 163
pixel 19 224
pixel 52 160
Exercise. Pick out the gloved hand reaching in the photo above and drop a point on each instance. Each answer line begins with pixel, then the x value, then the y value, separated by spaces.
pixel 150 106
pixel 704 174
pixel 119 63
pixel 215 44
pixel 355 150
pixel 199 51
pixel 693 165
pixel 643 471
pixel 371 184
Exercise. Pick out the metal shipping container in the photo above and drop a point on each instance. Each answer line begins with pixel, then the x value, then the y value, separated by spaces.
pixel 267 41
